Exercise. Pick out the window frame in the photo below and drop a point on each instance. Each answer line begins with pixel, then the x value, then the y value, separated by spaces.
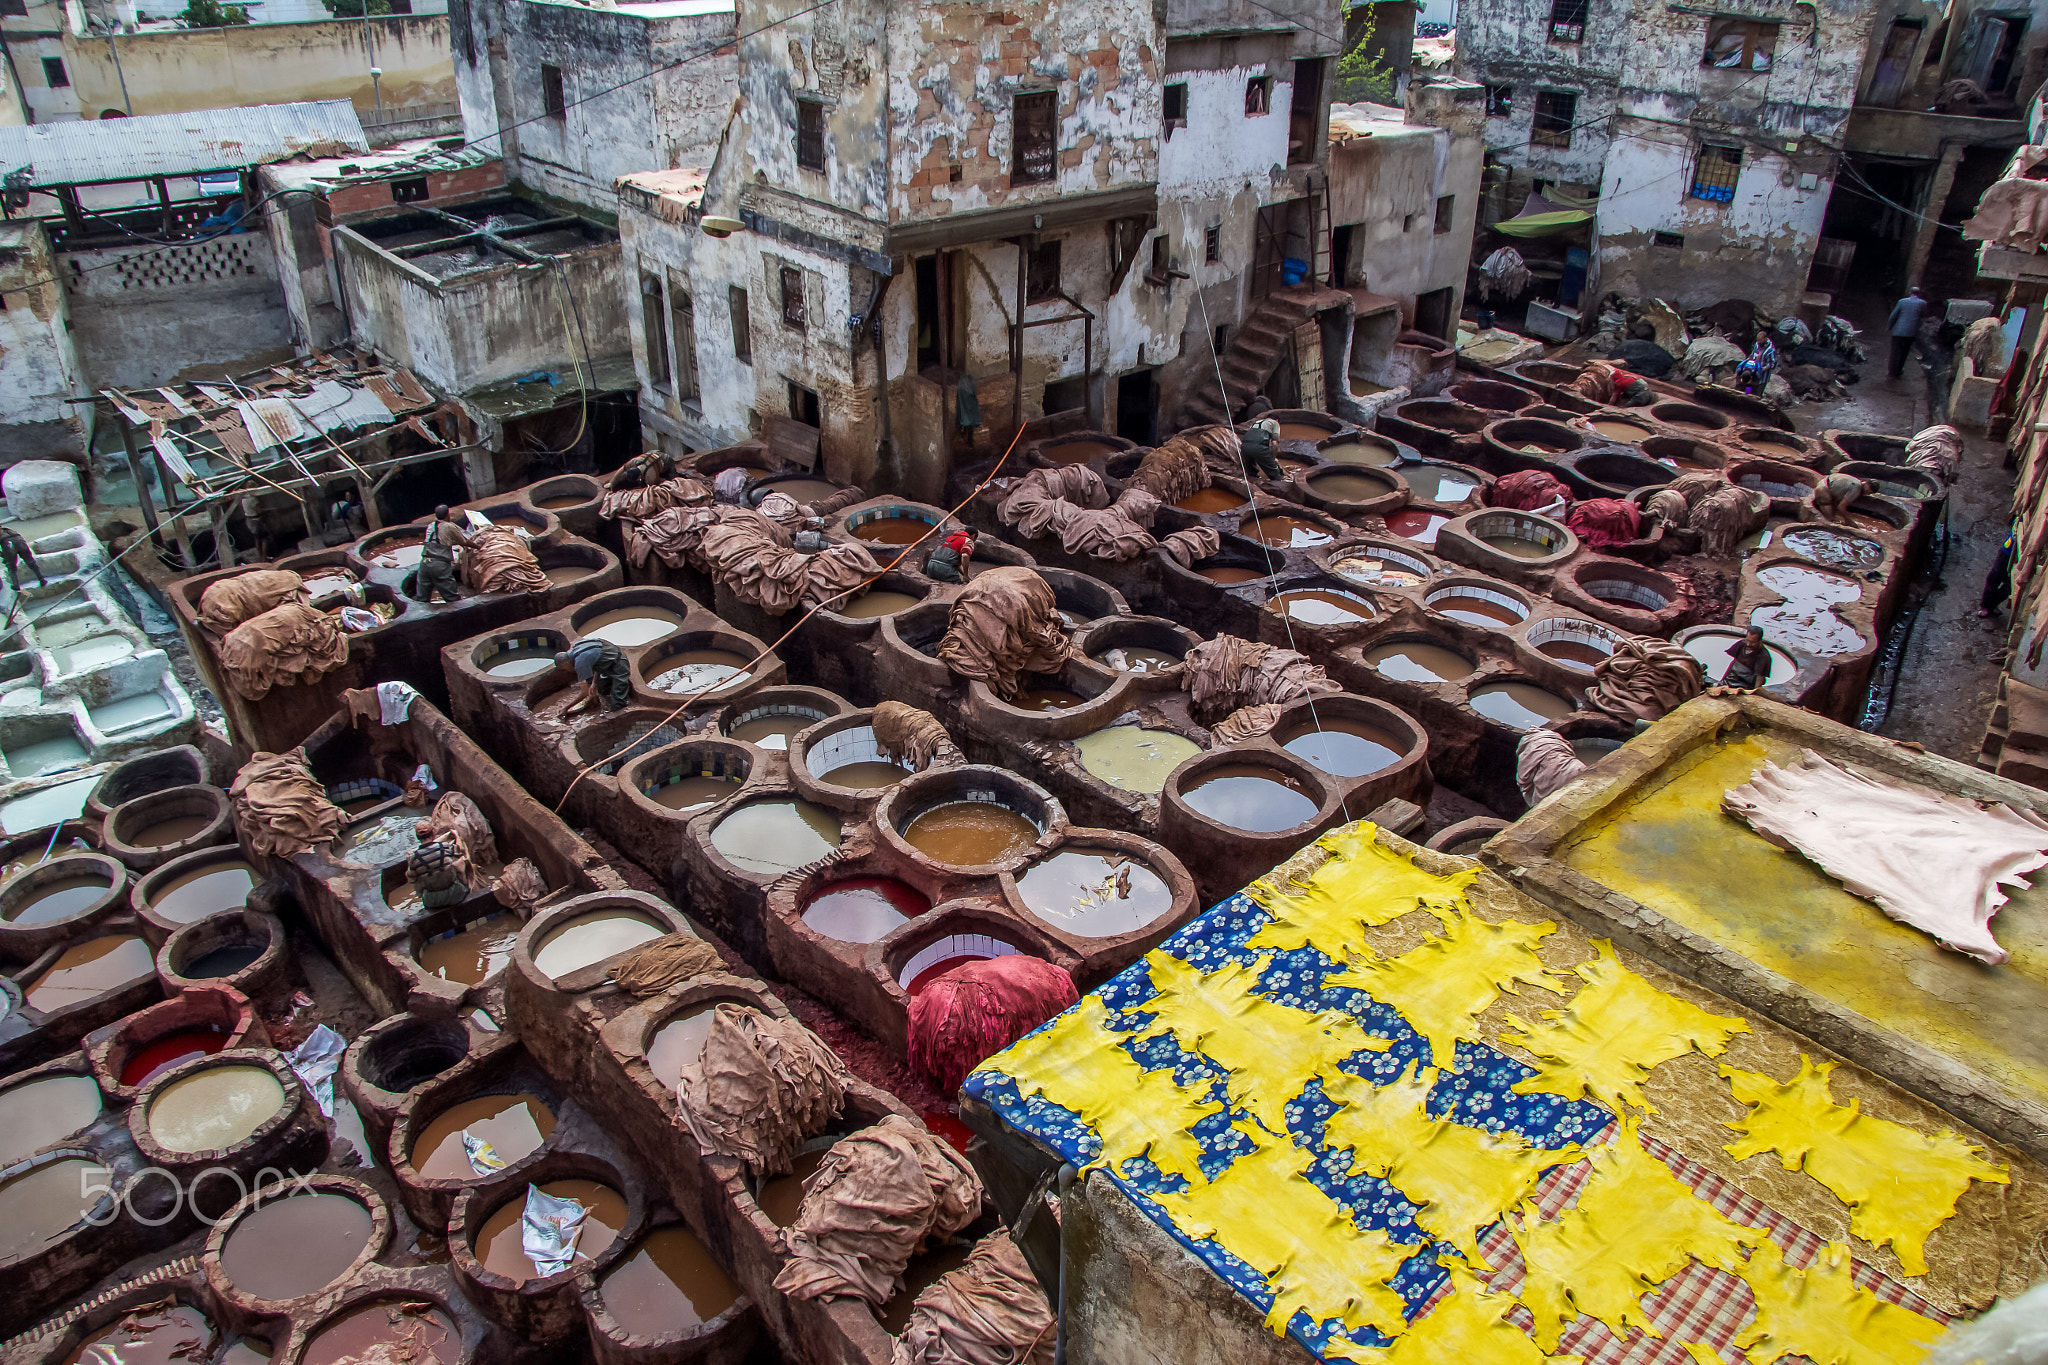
pixel 1212 245
pixel 1258 96
pixel 654 331
pixel 1759 39
pixel 1500 101
pixel 682 336
pixel 810 134
pixel 1042 273
pixel 1446 213
pixel 1718 193
pixel 554 93
pixel 793 314
pixel 738 305
pixel 1568 20
pixel 1560 138
pixel 1036 113
pixel 55 74
pixel 1175 96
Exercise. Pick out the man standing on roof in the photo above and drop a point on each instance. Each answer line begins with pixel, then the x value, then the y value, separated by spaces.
pixel 602 669
pixel 1905 328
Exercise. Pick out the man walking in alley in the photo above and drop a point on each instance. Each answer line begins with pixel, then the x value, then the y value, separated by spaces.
pixel 1905 326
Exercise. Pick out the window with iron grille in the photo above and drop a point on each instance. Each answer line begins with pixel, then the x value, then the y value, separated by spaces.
pixel 1034 121
pixel 742 325
pixel 1212 244
pixel 552 101
pixel 1556 111
pixel 1258 95
pixel 683 318
pixel 410 190
pixel 1567 20
pixel 793 297
pixel 1740 44
pixel 1715 172
pixel 810 135
pixel 654 331
pixel 54 74
pixel 1042 273
pixel 1500 101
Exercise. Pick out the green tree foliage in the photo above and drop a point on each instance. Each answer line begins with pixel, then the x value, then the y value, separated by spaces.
pixel 212 14
pixel 1363 73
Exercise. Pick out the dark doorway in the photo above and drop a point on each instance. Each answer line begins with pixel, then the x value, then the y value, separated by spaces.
pixel 1433 313
pixel 803 404
pixel 1305 111
pixel 1340 256
pixel 928 344
pixel 1136 406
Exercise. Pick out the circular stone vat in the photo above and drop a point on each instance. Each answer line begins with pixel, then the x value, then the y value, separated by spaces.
pixel 1419 661
pixel 1081 598
pixel 863 909
pixel 801 489
pixel 510 658
pixel 196 1024
pixel 586 940
pixel 151 830
pixel 41 1204
pixel 1517 704
pixel 407 1051
pixel 1894 481
pixel 288 1248
pixel 1467 837
pixel 1305 424
pixel 1329 607
pixel 514 1126
pixel 199 884
pixel 62 892
pixel 1878 514
pixel 473 954
pixel 666 1285
pixel 561 494
pixel 1625 430
pixel 1083 447
pixel 1230 568
pixel 1489 606
pixel 1521 439
pixel 893 525
pixel 1622 594
pixel 1774 444
pixel 1444 485
pixel 1520 535
pixel 1492 395
pixel 498 1246
pixel 700 663
pixel 1360 448
pixel 1573 642
pixel 138 1332
pixel 771 837
pixel 1833 549
pixel 879 601
pixel 1686 454
pixel 1134 758
pixel 398 548
pixel 1350 487
pixel 209 1107
pixel 1782 481
pixel 1806 618
pixel 848 757
pixel 1213 499
pixel 1440 414
pixel 690 777
pixel 1282 532
pixel 1709 644
pixel 1381 564
pixel 44 1110
pixel 569 563
pixel 88 970
pixel 626 624
pixel 1689 417
pixel 971 817
pixel 943 954
pixel 416 1331
pixel 1143 646
pixel 1347 737
pixel 1249 796
pixel 1413 523
pixel 677 1041
pixel 1554 373
pixel 1093 893
pixel 771 719
pixel 1618 469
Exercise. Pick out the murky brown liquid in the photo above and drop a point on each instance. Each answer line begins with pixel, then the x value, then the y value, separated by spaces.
pixel 37 1206
pixel 1095 894
pixel 1834 549
pixel 803 490
pixel 589 939
pixel 1134 758
pixel 1211 499
pixel 894 530
pixel 773 732
pixel 37 1113
pixel 473 955
pixel 498 1241
pixel 1518 547
pixel 396 554
pixel 1475 611
pixel 413 1332
pixel 43 853
pixel 1248 797
pixel 922 1272
pixel 691 795
pixel 630 626
pixel 1078 452
pixel 693 670
pixel 559 574
pixel 1136 659
pixel 876 602
pixel 783 1197
pixel 1361 452
pixel 216 1106
pixel 773 837
pixel 172 831
pixel 858 776
pixel 1285 532
pixel 679 1043
pixel 90 968
pixel 513 1124
pixel 57 900
pixel 1047 699
pixel 1349 487
pixel 519 663
pixel 666 1285
pixel 1305 431
pixel 1621 431
pixel 295 1246
pixel 1572 654
pixel 1230 573
pixel 363 803
pixel 1322 607
pixel 561 500
pixel 863 909
pixel 1518 704
pixel 1344 748
pixel 970 833
pixel 224 885
pixel 159 1334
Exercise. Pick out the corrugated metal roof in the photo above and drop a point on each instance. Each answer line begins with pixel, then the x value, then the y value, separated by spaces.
pixel 83 151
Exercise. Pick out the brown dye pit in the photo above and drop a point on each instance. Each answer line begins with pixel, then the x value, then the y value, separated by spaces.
pixel 363 803
pixel 1345 748
pixel 1518 704
pixel 590 939
pixel 561 500
pixel 1829 547
pixel 666 1285
pixel 773 837
pixel 1230 573
pixel 774 732
pixel 295 1246
pixel 1133 659
pixel 1621 431
pixel 697 669
pixel 679 1043
pixel 782 1197
pixel 90 968
pixel 1251 798
pixel 1285 532
pixel 1807 617
pixel 630 626
pixel 173 831
pixel 1212 499
pixel 1322 607
pixel 498 1244
pixel 1572 654
pixel 569 573
pixel 1361 452
pixel 60 899
pixel 877 602
pixel 1412 523
pixel 1476 611
pixel 1095 895
pixel 399 555
pixel 225 960
pixel 922 1272
pixel 1518 547
pixel 35 1114
pixel 163 1333
pixel 970 833
pixel 520 663
pixel 474 955
pixel 863 909
pixel 40 855
pixel 894 530
pixel 1304 431
pixel 1079 452
pixel 859 776
pixel 693 795
pixel 204 890
pixel 416 1333
pixel 513 1124
pixel 804 490
pixel 1350 487
pixel 1047 699
pixel 216 1106
pixel 35 1208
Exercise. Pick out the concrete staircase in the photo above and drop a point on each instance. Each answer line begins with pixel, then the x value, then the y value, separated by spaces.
pixel 1255 349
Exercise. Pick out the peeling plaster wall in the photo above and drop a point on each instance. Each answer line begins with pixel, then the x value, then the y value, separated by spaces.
pixel 39 365
pixel 150 316
pixel 658 239
pixel 1507 42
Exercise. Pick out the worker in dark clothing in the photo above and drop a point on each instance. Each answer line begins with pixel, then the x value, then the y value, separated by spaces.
pixel 1749 661
pixel 948 563
pixel 644 471
pixel 602 669
pixel 1905 326
pixel 1998 582
pixel 437 558
pixel 431 868
pixel 810 537
pixel 1258 438
pixel 14 552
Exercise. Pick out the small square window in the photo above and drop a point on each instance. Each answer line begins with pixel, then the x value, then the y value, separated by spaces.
pixel 1161 261
pixel 793 297
pixel 553 102
pixel 1212 244
pixel 810 135
pixel 1667 239
pixel 742 325
pixel 803 404
pixel 1034 127
pixel 1556 111
pixel 1500 101
pixel 1446 211
pixel 953 174
pixel 1176 106
pixel 1715 173
pixel 1065 395
pixel 1042 273
pixel 1740 44
pixel 1258 95
pixel 1407 222
pixel 411 190
pixel 54 74
pixel 1567 20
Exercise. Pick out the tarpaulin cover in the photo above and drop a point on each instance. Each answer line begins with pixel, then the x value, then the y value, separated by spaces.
pixel 877 1198
pixel 288 644
pixel 1029 506
pixel 912 737
pixel 1106 534
pixel 1644 678
pixel 231 601
pixel 1225 673
pixel 1708 354
pixel 761 1087
pixel 1601 522
pixel 989 1311
pixel 962 1017
pixel 1544 761
pixel 1528 490
pixel 281 808
pixel 751 556
pixel 520 886
pixel 1192 545
pixel 1542 218
pixel 1938 450
pixel 1246 722
pixel 1181 466
pixel 1006 622
pixel 1724 517
pixel 665 962
pixel 836 571
pixel 671 535
pixel 456 816
pixel 638 504
pixel 497 560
